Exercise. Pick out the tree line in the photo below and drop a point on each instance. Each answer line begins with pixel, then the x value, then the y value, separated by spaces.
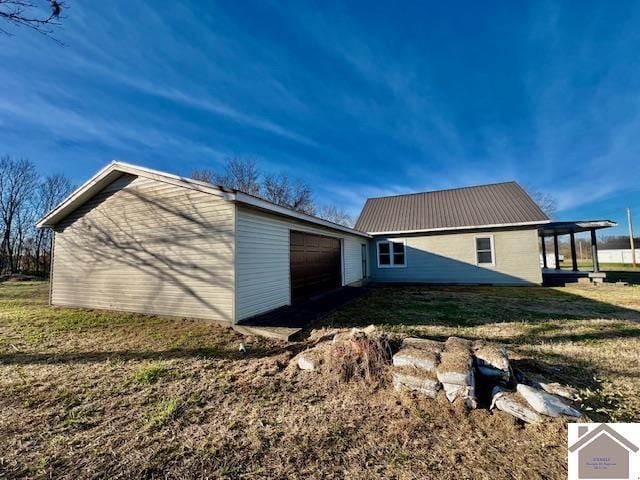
pixel 26 196
pixel 244 175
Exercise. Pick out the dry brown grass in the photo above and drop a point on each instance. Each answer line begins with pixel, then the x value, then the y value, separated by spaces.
pixel 358 357
pixel 104 395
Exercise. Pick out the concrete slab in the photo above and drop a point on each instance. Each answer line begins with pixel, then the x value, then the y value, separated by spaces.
pixel 303 314
pixel 277 333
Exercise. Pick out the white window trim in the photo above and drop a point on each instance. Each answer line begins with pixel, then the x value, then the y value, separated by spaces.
pixel 391 265
pixel 493 250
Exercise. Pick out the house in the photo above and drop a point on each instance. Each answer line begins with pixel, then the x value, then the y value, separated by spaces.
pixel 602 453
pixel 486 234
pixel 140 240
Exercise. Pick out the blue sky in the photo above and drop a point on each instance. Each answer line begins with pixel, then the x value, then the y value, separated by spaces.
pixel 359 99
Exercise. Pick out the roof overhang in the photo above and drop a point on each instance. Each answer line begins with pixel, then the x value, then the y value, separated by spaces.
pixel 565 228
pixel 466 227
pixel 116 169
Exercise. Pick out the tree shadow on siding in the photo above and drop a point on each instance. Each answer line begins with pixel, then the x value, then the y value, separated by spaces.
pixel 180 243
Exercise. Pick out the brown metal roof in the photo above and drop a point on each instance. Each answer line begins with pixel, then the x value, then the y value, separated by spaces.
pixel 496 204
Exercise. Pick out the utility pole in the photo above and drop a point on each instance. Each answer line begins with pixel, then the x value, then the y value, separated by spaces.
pixel 633 248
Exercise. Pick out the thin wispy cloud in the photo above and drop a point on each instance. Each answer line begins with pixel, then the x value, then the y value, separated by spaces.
pixel 357 100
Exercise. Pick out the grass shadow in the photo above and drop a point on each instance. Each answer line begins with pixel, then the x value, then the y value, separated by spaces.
pixel 457 306
pixel 212 353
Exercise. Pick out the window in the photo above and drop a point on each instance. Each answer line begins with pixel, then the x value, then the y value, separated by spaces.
pixel 391 254
pixel 484 251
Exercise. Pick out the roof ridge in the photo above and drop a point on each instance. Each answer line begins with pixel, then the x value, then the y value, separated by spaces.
pixel 446 190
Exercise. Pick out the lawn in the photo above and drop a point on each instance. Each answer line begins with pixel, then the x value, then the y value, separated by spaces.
pixel 623 272
pixel 87 394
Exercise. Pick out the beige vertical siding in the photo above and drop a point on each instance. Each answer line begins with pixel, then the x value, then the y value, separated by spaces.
pixel 147 246
pixel 451 258
pixel 262 259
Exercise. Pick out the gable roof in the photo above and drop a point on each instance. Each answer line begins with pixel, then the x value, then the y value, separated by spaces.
pixel 596 432
pixel 109 174
pixel 494 205
pixel 115 169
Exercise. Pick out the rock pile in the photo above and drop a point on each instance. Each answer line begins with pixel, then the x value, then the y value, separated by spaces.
pixel 460 368
pixel 468 373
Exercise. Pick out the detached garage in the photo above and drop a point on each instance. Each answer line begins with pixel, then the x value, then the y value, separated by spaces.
pixel 140 240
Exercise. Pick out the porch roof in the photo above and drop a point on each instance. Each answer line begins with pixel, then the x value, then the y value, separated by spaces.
pixel 564 228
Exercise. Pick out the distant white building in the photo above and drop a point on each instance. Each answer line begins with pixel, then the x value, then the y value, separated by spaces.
pixel 551 261
pixel 618 255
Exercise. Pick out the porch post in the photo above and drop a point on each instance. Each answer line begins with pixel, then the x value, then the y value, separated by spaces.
pixel 555 250
pixel 594 251
pixel 544 253
pixel 574 260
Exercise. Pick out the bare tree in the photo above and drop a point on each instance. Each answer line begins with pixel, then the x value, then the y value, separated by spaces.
pixel 243 174
pixel 546 202
pixel 51 192
pixel 336 215
pixel 26 13
pixel 302 198
pixel 277 189
pixel 18 181
pixel 204 175
pixel 22 236
pixel 281 190
pixel 239 174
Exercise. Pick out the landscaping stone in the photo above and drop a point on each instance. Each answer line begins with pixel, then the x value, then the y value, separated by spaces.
pixel 546 403
pixel 309 360
pixel 492 361
pixel 512 404
pixel 563 391
pixel 453 391
pixel 554 388
pixel 322 335
pixel 423 344
pixel 416 380
pixel 409 356
pixel 457 344
pixel 455 367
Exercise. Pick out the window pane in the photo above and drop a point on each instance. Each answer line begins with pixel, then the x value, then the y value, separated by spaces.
pixel 483 244
pixel 384 259
pixel 384 248
pixel 398 248
pixel 484 257
pixel 398 258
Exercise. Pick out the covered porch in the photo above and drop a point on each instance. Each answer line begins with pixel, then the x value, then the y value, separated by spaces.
pixel 554 275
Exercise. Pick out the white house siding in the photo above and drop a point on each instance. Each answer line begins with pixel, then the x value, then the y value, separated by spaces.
pixel 146 246
pixel 451 258
pixel 352 257
pixel 262 259
pixel 618 256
